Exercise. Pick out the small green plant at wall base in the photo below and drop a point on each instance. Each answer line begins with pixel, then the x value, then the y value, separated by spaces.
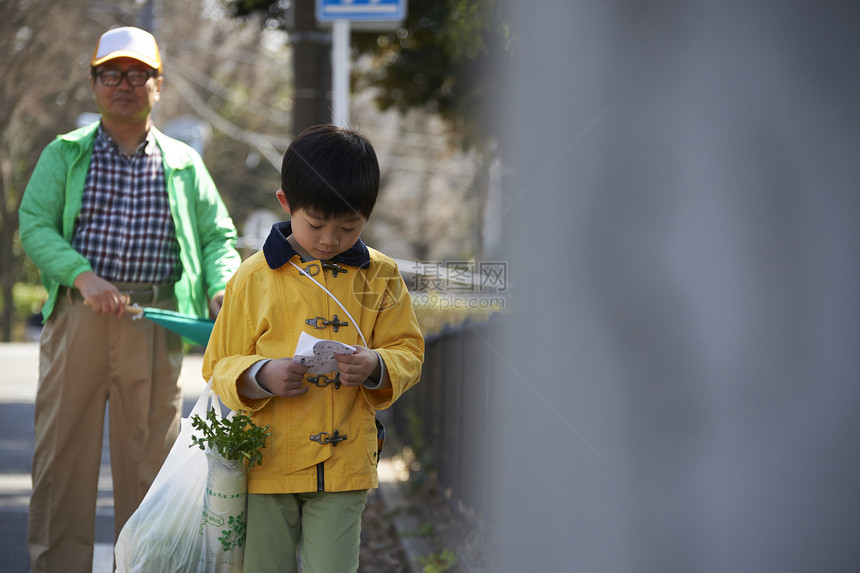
pixel 234 438
pixel 426 529
pixel 438 562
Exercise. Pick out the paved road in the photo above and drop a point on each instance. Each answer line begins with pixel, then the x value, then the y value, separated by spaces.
pixel 18 378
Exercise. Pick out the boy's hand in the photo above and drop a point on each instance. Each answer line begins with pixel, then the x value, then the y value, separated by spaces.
pixel 357 367
pixel 283 377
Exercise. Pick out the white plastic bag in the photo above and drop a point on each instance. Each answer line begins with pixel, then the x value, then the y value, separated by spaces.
pixel 224 521
pixel 193 517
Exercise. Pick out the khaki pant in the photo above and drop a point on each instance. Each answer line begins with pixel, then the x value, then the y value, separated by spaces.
pixel 326 525
pixel 86 361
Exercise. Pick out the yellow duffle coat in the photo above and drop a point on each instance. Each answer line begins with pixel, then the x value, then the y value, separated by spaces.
pixel 267 305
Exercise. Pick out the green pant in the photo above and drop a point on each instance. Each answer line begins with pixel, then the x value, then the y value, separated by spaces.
pixel 326 525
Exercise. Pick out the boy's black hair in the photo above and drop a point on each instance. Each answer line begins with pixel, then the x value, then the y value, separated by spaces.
pixel 331 171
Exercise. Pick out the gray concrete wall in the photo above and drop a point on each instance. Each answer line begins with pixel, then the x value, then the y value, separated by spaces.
pixel 678 388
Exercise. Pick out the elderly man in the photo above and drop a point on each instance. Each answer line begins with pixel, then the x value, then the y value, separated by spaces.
pixel 115 213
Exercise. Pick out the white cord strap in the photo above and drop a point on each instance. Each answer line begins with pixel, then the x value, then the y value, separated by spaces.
pixel 334 298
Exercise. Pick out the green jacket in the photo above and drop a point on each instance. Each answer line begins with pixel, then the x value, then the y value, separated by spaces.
pixel 52 201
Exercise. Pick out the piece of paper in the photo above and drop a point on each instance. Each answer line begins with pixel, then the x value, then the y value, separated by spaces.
pixel 318 353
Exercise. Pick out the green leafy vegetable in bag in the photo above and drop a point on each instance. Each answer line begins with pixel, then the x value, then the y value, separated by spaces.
pixel 233 438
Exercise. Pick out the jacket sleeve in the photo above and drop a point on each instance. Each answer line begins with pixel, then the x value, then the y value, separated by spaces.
pixel 231 350
pixel 398 340
pixel 217 234
pixel 41 218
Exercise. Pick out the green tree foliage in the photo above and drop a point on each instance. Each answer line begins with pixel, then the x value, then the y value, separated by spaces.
pixel 443 59
pixel 439 60
pixel 278 11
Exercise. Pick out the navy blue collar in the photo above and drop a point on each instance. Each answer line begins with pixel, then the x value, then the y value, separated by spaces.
pixel 278 250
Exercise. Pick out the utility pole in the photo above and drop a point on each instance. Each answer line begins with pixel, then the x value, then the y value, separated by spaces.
pixel 149 17
pixel 311 68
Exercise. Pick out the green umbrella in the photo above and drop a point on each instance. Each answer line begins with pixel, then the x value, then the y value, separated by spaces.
pixel 194 329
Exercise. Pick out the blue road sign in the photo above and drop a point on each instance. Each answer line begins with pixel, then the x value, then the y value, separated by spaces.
pixel 361 10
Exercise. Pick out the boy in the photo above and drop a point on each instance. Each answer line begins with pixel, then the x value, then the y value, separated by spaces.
pixel 115 213
pixel 315 275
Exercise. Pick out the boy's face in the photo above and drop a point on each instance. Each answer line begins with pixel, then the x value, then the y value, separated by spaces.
pixel 323 238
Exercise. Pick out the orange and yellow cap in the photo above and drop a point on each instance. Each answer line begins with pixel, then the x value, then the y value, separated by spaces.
pixel 128 42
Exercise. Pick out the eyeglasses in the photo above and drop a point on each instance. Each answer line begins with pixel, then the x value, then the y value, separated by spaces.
pixel 135 78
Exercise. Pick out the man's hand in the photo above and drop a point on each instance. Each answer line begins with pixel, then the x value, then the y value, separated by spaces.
pixel 357 367
pixel 283 377
pixel 102 296
pixel 215 304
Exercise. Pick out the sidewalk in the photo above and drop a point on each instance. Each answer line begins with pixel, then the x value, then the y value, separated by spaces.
pixel 18 379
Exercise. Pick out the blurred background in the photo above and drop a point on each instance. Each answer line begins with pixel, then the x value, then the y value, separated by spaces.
pixel 654 204
pixel 242 77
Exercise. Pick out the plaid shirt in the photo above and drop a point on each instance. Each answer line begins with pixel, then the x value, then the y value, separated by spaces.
pixel 125 228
